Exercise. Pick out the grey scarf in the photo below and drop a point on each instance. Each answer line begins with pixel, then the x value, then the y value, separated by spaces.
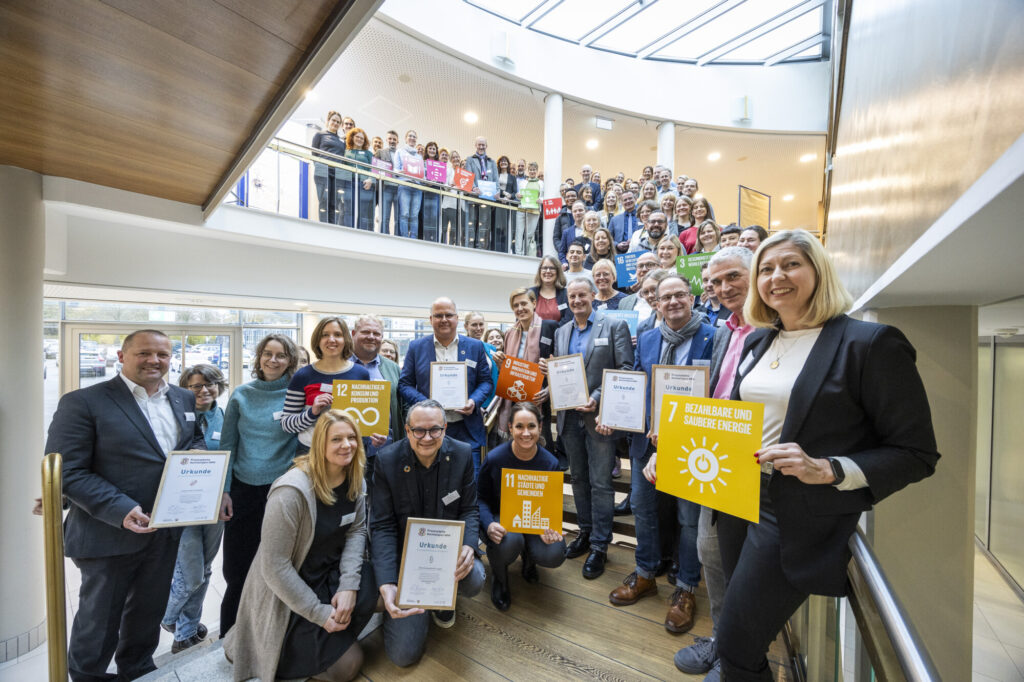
pixel 672 339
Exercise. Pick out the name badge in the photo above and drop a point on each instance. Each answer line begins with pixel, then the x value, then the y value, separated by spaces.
pixel 326 388
pixel 601 342
pixel 278 415
pixel 450 497
pixel 216 435
pixel 190 416
pixel 545 340
pixel 747 363
pixel 471 363
pixel 563 306
pixel 702 363
pixel 348 518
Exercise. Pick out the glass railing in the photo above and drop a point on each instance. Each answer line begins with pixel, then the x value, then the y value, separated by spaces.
pixel 306 183
pixel 864 637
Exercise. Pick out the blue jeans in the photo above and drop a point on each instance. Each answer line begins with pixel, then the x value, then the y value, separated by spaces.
pixel 591 460
pixel 366 199
pixel 431 216
pixel 406 638
pixel 409 201
pixel 643 498
pixel 198 547
pixel 387 205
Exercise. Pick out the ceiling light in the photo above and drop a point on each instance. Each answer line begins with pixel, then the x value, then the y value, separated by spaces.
pixel 714 156
pixel 787 197
pixel 470 117
pixel 776 223
pixel 807 158
pixel 592 143
pixel 310 95
pixel 603 123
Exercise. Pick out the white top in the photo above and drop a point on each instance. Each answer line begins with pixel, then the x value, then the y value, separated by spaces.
pixel 773 387
pixel 449 353
pixel 157 410
pixel 643 307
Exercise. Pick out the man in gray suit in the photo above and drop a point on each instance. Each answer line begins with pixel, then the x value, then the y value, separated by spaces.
pixel 604 344
pixel 114 438
pixel 729 279
pixel 482 167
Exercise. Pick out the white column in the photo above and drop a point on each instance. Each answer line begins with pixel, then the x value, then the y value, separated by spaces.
pixel 22 588
pixel 552 160
pixel 667 146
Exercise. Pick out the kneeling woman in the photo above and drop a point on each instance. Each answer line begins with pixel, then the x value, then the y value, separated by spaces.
pixel 523 452
pixel 309 594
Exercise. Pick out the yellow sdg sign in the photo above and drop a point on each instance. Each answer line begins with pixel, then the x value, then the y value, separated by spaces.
pixel 531 501
pixel 706 453
pixel 368 402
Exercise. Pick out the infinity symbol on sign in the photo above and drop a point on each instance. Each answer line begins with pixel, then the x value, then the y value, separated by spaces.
pixel 363 417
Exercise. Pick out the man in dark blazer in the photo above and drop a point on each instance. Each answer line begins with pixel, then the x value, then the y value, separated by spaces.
pixel 682 339
pixel 729 278
pixel 425 475
pixel 445 345
pixel 114 438
pixel 482 167
pixel 605 344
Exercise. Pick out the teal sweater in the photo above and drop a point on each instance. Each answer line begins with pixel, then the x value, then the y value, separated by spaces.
pixel 260 450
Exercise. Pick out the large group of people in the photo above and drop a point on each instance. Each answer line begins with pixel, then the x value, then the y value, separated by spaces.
pixel 315 508
pixel 637 213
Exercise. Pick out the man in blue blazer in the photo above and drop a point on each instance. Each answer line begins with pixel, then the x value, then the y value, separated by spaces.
pixel 682 339
pixel 445 345
pixel 114 438
pixel 625 224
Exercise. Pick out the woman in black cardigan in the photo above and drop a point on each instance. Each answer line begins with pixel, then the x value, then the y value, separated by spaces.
pixel 846 424
pixel 549 288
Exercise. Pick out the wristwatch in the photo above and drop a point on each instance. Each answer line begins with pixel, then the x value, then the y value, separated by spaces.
pixel 837 471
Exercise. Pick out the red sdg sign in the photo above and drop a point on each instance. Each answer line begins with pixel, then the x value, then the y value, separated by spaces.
pixel 552 207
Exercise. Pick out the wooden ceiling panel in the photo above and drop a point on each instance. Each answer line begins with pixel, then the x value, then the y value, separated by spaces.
pixel 158 97
pixel 219 31
pixel 295 21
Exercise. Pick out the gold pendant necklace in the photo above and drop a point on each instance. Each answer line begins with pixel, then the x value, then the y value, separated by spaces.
pixel 778 356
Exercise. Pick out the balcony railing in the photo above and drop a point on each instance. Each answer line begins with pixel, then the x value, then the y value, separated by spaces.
pixel 306 183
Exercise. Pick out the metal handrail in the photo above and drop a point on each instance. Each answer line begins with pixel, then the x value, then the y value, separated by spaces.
pixel 316 156
pixel 53 548
pixel 893 644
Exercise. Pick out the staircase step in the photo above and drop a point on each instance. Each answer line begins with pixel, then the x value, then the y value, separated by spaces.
pixel 622 525
pixel 620 485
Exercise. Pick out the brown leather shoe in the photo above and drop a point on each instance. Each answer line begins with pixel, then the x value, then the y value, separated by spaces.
pixel 632 589
pixel 681 610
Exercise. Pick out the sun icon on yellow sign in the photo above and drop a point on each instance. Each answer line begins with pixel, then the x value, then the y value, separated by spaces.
pixel 703 465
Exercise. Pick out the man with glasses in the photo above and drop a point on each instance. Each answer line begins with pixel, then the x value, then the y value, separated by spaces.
pixel 681 339
pixel 445 345
pixel 425 475
pixel 645 265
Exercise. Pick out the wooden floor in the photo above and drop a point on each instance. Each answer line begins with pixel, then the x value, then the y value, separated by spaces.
pixel 561 628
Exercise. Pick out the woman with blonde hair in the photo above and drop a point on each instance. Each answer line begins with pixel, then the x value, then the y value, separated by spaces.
pixel 610 208
pixel 668 252
pixel 708 237
pixel 309 593
pixel 846 424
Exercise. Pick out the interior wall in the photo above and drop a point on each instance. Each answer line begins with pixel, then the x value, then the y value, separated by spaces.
pixel 932 97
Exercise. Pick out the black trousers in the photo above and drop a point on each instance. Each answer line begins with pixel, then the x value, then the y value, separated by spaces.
pixel 759 599
pixel 120 604
pixel 241 540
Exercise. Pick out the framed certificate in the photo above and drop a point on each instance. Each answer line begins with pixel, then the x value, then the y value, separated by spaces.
pixel 449 384
pixel 676 380
pixel 426 579
pixel 190 488
pixel 567 382
pixel 623 400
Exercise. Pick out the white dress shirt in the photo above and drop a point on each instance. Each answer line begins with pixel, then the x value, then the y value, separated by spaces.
pixel 157 410
pixel 449 353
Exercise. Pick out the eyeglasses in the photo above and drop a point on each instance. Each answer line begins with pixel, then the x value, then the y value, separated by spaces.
pixel 443 316
pixel 548 268
pixel 198 388
pixel 420 434
pixel 673 297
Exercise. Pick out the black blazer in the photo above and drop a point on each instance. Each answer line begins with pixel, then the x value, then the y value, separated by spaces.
pixel 562 298
pixel 396 498
pixel 112 462
pixel 859 395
